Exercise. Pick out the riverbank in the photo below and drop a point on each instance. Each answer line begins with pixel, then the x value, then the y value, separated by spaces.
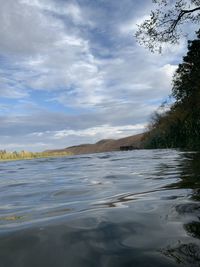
pixel 106 145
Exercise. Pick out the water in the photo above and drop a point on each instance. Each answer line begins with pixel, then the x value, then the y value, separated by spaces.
pixel 137 208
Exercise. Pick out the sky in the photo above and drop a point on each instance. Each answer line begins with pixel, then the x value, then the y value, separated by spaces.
pixel 71 72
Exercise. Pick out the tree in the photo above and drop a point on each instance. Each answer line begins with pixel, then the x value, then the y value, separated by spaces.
pixel 186 81
pixel 186 89
pixel 180 125
pixel 164 24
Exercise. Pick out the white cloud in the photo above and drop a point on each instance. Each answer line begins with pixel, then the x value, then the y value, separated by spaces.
pixel 129 27
pixel 24 30
pixel 47 55
pixel 74 11
pixel 103 131
pixel 11 92
pixel 17 146
pixel 69 9
pixel 82 60
pixel 68 65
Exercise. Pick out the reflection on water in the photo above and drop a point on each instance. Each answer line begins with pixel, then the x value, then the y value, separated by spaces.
pixel 188 253
pixel 184 253
pixel 136 208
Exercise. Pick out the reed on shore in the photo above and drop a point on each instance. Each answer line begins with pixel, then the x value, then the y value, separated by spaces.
pixel 5 155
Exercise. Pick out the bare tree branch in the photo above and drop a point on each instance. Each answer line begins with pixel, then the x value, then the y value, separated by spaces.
pixel 164 23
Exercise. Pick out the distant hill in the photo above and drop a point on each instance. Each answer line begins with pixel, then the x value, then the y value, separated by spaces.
pixel 105 145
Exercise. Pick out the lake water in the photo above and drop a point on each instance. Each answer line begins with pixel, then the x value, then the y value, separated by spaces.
pixel 138 208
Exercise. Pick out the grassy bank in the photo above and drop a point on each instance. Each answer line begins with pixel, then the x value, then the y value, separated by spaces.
pixel 22 155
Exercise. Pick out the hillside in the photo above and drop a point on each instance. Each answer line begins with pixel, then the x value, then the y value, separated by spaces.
pixel 105 145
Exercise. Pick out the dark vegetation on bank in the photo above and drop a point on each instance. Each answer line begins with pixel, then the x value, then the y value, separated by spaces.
pixel 179 126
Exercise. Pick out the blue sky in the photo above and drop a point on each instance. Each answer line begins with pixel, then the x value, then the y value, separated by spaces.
pixel 71 72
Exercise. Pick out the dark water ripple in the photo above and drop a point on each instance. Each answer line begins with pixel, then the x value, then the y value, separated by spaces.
pixel 137 208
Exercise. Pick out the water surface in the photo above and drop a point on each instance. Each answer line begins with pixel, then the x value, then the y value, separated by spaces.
pixel 137 208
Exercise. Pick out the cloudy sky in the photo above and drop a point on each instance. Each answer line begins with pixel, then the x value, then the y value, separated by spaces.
pixel 71 72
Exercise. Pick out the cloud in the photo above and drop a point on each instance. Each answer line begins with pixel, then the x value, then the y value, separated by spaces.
pixel 38 141
pixel 71 72
pixel 129 27
pixel 103 131
pixel 68 65
pixel 40 50
pixel 68 9
pixel 24 30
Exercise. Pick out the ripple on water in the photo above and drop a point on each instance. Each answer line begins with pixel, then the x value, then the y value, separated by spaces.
pixel 139 208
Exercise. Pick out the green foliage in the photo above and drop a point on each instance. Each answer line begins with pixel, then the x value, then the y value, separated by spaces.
pixel 4 155
pixel 180 126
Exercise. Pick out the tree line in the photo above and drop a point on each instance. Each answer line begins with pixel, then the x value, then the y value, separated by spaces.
pixel 179 126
